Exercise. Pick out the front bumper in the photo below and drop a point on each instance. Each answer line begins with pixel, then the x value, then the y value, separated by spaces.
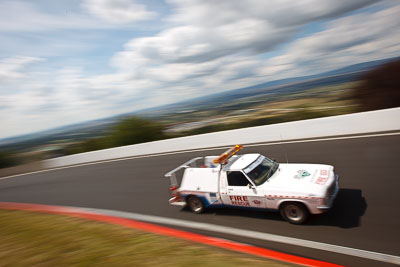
pixel 329 203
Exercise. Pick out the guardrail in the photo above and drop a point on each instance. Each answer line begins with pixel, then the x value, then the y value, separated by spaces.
pixel 357 123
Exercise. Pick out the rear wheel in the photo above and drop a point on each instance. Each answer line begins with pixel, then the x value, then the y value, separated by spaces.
pixel 195 204
pixel 294 212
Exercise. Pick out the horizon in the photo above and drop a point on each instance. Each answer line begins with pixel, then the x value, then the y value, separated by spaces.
pixel 67 63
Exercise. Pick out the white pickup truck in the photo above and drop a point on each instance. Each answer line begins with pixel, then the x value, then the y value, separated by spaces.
pixel 254 181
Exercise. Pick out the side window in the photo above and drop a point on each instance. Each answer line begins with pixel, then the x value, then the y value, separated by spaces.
pixel 237 178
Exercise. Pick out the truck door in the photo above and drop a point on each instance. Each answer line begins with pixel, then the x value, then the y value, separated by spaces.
pixel 239 193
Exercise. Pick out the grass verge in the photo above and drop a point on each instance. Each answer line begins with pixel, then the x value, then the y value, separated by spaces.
pixel 36 239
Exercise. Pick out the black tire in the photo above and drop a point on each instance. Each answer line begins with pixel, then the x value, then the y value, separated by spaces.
pixel 195 204
pixel 294 212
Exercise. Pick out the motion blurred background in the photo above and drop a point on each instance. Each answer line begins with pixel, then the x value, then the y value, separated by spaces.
pixel 77 76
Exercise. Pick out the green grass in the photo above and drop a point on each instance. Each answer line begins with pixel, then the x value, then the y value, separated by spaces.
pixel 35 239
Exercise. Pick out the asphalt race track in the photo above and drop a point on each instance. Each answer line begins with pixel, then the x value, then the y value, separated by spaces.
pixel 365 215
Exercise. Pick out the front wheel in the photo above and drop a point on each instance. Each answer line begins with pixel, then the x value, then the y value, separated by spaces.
pixel 294 212
pixel 195 204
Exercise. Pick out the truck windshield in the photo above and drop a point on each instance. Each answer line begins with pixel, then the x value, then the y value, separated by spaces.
pixel 263 171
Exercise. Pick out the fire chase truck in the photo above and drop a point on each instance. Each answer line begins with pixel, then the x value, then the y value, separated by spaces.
pixel 254 181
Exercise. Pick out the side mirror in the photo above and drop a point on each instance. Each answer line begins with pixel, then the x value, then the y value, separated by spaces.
pixel 251 186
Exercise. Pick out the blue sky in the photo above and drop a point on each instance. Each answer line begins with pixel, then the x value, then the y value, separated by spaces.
pixel 68 61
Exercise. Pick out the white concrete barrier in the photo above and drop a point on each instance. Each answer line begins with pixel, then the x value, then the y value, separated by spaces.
pixel 357 123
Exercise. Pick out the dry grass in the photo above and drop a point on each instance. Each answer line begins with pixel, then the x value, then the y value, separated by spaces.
pixel 34 239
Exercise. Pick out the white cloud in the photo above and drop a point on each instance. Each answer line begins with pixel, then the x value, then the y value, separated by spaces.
pixel 194 44
pixel 12 69
pixel 208 30
pixel 17 16
pixel 21 16
pixel 345 41
pixel 55 98
pixel 117 11
pixel 281 13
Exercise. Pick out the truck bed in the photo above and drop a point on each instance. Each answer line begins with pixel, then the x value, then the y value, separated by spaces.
pixel 200 180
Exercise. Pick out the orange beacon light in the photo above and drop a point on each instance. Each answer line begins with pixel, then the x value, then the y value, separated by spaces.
pixel 227 154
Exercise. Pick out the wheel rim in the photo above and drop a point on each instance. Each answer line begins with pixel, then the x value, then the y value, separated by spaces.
pixel 195 204
pixel 294 213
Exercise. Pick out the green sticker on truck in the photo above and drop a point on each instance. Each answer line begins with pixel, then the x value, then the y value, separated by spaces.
pixel 302 174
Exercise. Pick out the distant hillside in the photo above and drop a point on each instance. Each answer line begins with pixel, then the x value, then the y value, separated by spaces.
pixel 379 88
pixel 295 84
